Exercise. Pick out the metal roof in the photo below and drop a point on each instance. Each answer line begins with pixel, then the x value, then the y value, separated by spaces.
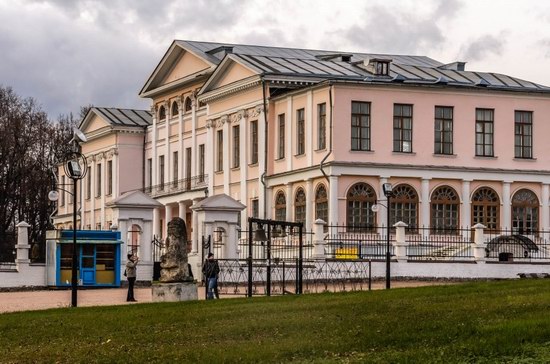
pixel 126 117
pixel 337 65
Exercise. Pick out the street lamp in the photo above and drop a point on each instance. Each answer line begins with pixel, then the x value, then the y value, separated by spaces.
pixel 75 169
pixel 388 189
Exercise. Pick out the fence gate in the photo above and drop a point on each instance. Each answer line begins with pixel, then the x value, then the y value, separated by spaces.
pixel 157 246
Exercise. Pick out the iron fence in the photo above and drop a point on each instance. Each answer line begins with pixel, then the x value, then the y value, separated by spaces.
pixel 8 239
pixel 285 248
pixel 511 245
pixel 356 242
pixel 437 244
pixel 177 186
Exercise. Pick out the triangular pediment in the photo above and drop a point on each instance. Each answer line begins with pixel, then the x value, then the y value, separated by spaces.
pixel 220 202
pixel 230 71
pixel 93 122
pixel 186 64
pixel 136 199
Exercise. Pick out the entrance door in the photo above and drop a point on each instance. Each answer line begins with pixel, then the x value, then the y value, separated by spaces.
pixel 87 268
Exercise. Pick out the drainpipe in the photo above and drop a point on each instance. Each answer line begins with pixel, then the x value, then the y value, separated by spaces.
pixel 330 135
pixel 265 150
pixel 143 159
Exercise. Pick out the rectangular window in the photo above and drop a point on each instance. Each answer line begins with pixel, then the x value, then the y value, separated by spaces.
pixel 149 172
pixel 236 146
pixel 98 180
pixel 89 183
pixel 219 165
pixel 175 168
pixel 300 132
pixel 443 130
pixel 188 168
pixel 62 193
pixel 201 163
pixel 161 172
pixel 322 126
pixel 281 154
pixel 254 142
pixel 255 208
pixel 360 125
pixel 523 139
pixel 402 128
pixel 484 132
pixel 109 178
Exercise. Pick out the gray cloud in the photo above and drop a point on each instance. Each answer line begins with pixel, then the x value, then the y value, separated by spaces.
pixel 544 45
pixel 482 47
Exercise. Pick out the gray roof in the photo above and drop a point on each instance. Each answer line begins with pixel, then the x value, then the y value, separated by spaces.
pixel 321 64
pixel 125 117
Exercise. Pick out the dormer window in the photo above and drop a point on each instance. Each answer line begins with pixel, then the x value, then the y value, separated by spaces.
pixel 162 113
pixel 378 66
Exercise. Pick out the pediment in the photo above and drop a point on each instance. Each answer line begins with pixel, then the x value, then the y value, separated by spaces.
pixel 220 202
pixel 230 70
pixel 93 122
pixel 186 64
pixel 136 199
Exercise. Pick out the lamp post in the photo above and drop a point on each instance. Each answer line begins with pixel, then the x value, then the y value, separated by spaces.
pixel 75 169
pixel 388 189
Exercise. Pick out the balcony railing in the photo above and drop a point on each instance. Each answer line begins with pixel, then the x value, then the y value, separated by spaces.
pixel 178 186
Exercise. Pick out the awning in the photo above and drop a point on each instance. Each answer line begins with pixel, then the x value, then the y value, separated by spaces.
pixel 88 241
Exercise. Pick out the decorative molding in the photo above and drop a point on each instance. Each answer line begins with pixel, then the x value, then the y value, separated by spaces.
pixel 236 117
pixel 221 121
pixel 209 123
pixel 256 110
pixel 219 93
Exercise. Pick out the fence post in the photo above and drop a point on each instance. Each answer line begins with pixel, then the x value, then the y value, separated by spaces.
pixel 318 240
pixel 22 244
pixel 400 241
pixel 479 243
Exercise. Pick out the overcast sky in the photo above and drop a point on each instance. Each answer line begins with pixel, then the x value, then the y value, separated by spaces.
pixel 70 53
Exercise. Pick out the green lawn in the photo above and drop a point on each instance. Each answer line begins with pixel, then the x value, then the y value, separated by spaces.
pixel 506 321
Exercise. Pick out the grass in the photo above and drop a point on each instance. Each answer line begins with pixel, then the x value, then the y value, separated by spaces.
pixel 506 321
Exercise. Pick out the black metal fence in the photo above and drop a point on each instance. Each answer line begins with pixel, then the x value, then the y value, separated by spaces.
pixel 8 240
pixel 354 242
pixel 430 244
pixel 506 245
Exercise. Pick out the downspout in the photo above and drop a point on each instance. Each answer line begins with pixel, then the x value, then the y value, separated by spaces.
pixel 330 135
pixel 143 159
pixel 265 149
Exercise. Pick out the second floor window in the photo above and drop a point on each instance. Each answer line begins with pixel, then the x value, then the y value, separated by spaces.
pixel 175 161
pixel 161 172
pixel 281 154
pixel 201 163
pixel 98 180
pixel 523 138
pixel 254 142
pixel 360 125
pixel 149 172
pixel 89 183
pixel 300 132
pixel 484 132
pixel 236 146
pixel 322 126
pixel 62 194
pixel 443 130
pixel 109 178
pixel 219 166
pixel 402 128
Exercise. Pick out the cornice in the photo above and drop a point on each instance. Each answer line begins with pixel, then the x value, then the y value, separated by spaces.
pixel 230 89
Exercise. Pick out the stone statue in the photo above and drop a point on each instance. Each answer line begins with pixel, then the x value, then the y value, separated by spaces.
pixel 173 264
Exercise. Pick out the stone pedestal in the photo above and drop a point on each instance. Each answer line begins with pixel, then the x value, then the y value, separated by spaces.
pixel 175 292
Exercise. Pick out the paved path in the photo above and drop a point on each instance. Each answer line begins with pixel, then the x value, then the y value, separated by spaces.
pixel 40 300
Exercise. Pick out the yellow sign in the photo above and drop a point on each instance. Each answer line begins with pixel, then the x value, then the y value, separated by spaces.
pixel 347 253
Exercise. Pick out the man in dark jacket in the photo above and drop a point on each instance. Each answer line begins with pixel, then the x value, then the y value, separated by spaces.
pixel 211 270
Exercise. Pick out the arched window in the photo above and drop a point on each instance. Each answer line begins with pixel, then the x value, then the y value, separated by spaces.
pixel 445 209
pixel 300 206
pixel 360 199
pixel 280 206
pixel 133 239
pixel 162 113
pixel 404 207
pixel 188 104
pixel 321 203
pixel 486 208
pixel 175 109
pixel 525 212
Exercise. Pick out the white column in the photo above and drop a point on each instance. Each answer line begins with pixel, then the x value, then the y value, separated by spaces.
pixel 194 162
pixel 244 168
pixel 180 140
pixel 289 202
pixel 156 221
pixel 382 213
pixel 269 203
pixel 262 167
pixel 309 128
pixel 93 193
pixel 425 205
pixel 182 210
pixel 154 146
pixel 545 213
pixel 103 189
pixel 309 204
pixel 288 134
pixel 168 158
pixel 115 172
pixel 123 228
pixel 168 216
pixel 82 213
pixel 465 206
pixel 226 155
pixel 334 217
pixel 195 234
pixel 506 222
pixel 209 154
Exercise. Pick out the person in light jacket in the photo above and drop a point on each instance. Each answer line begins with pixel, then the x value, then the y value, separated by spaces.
pixel 131 275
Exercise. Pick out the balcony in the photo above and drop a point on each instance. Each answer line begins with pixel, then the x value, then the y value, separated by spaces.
pixel 178 186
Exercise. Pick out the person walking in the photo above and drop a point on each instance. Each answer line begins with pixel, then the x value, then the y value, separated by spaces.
pixel 131 275
pixel 211 270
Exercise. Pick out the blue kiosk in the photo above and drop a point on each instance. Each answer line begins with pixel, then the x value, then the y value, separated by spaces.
pixel 98 258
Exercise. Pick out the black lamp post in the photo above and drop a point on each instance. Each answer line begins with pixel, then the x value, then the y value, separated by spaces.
pixel 388 189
